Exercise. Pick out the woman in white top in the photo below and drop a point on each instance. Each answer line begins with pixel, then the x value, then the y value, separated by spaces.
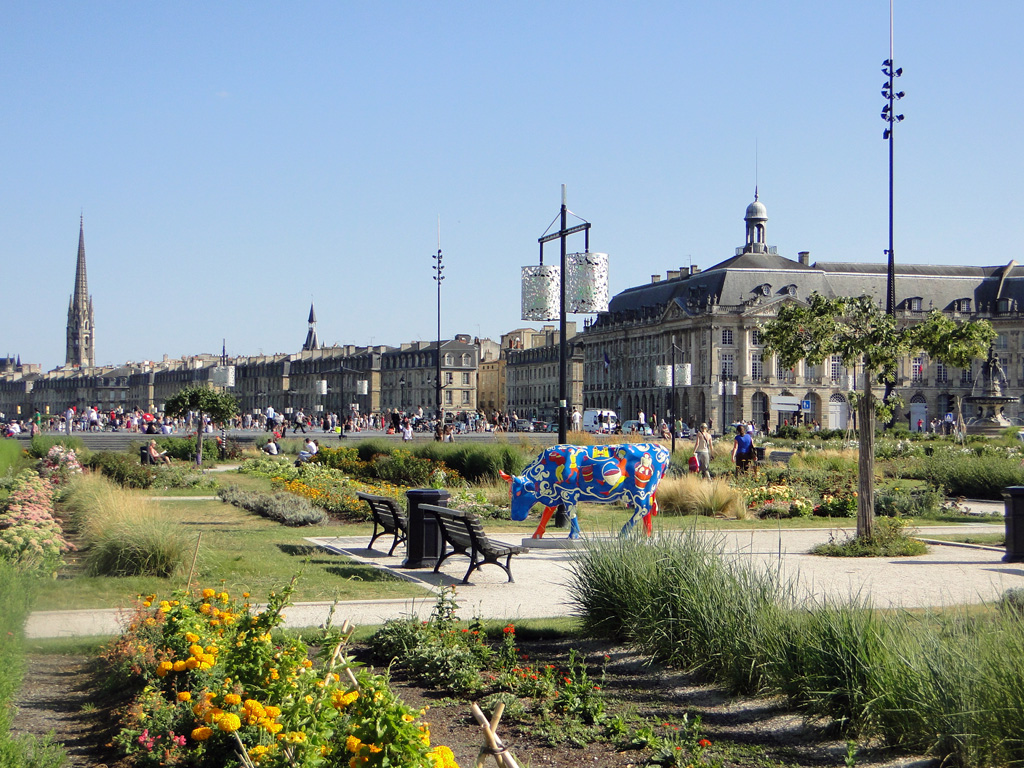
pixel 702 449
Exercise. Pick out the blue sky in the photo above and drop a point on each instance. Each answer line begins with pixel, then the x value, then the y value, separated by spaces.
pixel 235 160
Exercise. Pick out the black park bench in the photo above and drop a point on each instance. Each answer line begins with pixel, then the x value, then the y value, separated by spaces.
pixel 389 516
pixel 465 535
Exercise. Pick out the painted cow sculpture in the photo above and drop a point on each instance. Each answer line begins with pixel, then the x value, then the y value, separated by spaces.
pixel 567 474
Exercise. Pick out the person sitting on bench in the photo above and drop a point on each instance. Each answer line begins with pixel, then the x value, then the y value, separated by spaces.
pixel 157 456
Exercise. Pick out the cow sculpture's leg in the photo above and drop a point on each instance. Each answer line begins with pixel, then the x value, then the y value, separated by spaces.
pixel 647 518
pixel 544 517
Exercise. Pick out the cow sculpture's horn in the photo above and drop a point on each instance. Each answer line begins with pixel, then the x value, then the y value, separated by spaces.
pixel 505 476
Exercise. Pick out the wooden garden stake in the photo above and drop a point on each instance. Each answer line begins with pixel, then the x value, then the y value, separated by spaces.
pixel 195 556
pixel 493 745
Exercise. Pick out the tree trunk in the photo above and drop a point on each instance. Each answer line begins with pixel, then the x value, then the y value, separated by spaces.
pixel 199 440
pixel 866 462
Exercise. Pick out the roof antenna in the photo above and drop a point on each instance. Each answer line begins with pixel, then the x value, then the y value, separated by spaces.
pixel 755 168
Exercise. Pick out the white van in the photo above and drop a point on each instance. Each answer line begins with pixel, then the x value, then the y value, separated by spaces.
pixel 599 420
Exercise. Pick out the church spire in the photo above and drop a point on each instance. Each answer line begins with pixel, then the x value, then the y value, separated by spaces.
pixel 80 338
pixel 312 342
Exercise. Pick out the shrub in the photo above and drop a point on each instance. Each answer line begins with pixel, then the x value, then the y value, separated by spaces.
pixel 963 472
pixel 891 539
pixel 898 501
pixel 59 465
pixel 41 445
pixel 184 448
pixel 181 476
pixel 285 508
pixel 122 468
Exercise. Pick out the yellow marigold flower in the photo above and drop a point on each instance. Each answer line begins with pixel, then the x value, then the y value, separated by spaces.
pixel 204 665
pixel 352 743
pixel 195 649
pixel 374 749
pixel 205 609
pixel 307 663
pixel 191 637
pixel 229 722
pixel 208 593
pixel 202 733
pixel 272 711
pixel 223 597
pixel 179 666
pixel 442 757
pixel 274 674
pixel 184 696
pixel 274 728
pixel 233 699
pixel 245 594
pixel 309 699
pixel 252 705
pixel 407 718
pixel 208 658
pixel 192 663
pixel 150 622
pixel 146 604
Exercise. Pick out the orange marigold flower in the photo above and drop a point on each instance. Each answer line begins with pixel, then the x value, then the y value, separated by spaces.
pixel 202 733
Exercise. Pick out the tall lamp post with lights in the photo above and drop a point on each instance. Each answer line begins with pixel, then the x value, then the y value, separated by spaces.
pixel 579 285
pixel 891 96
pixel 439 278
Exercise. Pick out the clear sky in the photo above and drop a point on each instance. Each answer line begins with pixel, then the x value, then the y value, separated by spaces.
pixel 234 160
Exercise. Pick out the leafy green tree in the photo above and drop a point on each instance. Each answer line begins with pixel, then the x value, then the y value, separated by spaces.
pixel 859 331
pixel 219 406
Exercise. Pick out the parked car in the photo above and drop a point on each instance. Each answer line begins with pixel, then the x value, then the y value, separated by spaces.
pixel 635 426
pixel 541 426
pixel 523 425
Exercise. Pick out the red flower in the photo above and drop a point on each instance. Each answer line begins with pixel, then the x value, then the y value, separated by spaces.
pixel 704 743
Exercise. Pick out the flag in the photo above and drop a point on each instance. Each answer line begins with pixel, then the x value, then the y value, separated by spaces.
pixel 607 361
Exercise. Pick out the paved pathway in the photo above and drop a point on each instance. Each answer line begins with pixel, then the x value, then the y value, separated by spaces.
pixel 947 575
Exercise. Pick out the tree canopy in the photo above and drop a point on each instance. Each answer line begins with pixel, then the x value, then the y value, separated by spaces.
pixel 860 332
pixel 219 406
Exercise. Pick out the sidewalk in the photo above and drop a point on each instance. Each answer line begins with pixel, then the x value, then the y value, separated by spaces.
pixel 947 575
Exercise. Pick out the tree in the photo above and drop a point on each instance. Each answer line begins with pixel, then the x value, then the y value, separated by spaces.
pixel 859 331
pixel 219 406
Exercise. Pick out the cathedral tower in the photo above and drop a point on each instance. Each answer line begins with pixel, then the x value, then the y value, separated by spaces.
pixel 312 342
pixel 81 350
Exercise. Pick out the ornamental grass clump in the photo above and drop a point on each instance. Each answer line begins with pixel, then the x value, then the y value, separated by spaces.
pixel 693 495
pixel 31 539
pixel 123 533
pixel 215 685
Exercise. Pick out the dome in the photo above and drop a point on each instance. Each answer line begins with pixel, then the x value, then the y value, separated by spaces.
pixel 757 211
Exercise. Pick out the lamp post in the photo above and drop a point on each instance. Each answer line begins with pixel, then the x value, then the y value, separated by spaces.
pixel 563 232
pixel 891 96
pixel 439 278
pixel 401 395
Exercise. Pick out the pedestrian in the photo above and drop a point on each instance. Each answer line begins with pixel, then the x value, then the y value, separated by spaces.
pixel 742 449
pixel 703 450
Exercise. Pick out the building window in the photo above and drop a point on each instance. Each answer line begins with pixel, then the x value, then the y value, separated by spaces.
pixel 465 359
pixel 941 375
pixel 727 336
pixel 1001 341
pixel 449 360
pixel 465 397
pixel 755 337
pixel 916 369
pixel 782 372
pixel 465 379
pixel 836 366
pixel 967 376
pixel 447 397
pixel 756 367
pixel 914 304
pixel 727 366
pixel 810 371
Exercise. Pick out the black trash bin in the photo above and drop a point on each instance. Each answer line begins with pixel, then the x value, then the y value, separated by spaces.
pixel 423 547
pixel 1013 497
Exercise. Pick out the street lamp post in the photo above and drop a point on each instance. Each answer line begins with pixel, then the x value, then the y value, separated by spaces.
pixel 891 96
pixel 563 232
pixel 439 278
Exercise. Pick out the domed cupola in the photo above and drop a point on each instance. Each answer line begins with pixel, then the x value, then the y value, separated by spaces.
pixel 755 217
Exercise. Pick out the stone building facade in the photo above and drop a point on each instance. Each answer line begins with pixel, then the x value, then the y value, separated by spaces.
pixel 709 320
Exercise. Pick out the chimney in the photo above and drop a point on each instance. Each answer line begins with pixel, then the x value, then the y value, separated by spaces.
pixel 672 274
pixel 694 269
pixel 805 258
pixel 655 278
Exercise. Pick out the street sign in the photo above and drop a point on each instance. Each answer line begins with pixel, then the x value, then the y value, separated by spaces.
pixel 806 405
pixel 785 403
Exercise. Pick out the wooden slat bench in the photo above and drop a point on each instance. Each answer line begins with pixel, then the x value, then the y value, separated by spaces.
pixel 389 516
pixel 465 535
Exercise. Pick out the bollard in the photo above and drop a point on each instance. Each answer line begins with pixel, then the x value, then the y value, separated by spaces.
pixel 423 547
pixel 1013 498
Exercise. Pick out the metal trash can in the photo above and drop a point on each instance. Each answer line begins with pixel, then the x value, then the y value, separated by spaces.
pixel 423 547
pixel 1013 497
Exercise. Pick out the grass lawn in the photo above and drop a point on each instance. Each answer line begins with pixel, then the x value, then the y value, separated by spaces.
pixel 239 552
pixel 994 539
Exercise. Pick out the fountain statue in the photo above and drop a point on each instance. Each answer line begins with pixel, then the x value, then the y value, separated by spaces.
pixel 991 402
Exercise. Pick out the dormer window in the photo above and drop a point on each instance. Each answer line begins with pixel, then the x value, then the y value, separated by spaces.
pixel 914 304
pixel 789 290
pixel 963 305
pixel 1004 306
pixel 764 290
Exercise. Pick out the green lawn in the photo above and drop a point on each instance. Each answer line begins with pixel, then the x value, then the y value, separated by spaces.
pixel 239 552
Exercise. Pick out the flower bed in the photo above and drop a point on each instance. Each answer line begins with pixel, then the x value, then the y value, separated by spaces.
pixel 30 537
pixel 213 687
